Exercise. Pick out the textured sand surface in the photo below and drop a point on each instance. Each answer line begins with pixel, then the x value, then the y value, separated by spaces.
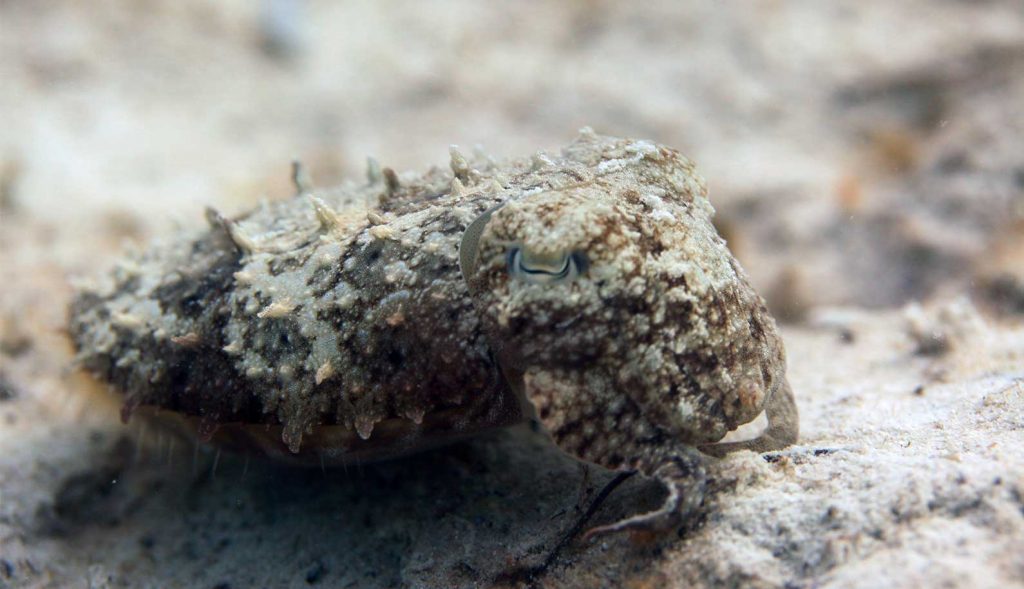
pixel 861 155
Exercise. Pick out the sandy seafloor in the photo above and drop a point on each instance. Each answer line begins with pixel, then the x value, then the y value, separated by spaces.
pixel 867 162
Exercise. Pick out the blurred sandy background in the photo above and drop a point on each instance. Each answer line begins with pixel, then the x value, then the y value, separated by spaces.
pixel 862 155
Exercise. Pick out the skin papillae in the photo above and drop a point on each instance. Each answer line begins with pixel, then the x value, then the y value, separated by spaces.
pixel 586 289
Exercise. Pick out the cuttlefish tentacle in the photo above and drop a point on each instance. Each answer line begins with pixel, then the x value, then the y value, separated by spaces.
pixel 684 477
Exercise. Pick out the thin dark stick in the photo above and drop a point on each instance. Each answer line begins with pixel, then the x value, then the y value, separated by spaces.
pixel 594 506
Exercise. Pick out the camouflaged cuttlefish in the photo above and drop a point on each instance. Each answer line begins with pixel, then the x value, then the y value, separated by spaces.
pixel 587 289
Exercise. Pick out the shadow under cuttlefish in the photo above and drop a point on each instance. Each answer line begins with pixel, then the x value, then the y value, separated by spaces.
pixel 459 515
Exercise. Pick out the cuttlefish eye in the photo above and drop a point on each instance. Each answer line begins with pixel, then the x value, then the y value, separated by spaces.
pixel 545 269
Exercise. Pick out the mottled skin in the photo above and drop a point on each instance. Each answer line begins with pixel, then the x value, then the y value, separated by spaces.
pixel 588 287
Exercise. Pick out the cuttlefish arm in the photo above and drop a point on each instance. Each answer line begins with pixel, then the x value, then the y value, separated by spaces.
pixel 783 427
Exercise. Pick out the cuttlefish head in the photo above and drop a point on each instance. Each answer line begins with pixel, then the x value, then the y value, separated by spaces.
pixel 551 275
pixel 593 298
